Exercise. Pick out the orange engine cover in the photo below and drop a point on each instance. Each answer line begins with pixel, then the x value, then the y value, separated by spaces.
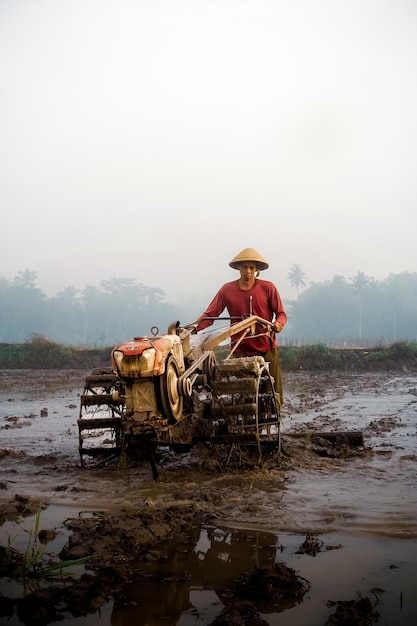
pixel 145 356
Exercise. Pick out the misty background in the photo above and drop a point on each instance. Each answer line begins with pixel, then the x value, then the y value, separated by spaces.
pixel 143 143
pixel 341 312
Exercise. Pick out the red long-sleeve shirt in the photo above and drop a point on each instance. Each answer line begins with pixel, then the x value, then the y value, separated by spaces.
pixel 262 300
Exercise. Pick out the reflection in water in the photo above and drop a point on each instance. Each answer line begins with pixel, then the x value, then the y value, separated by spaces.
pixel 189 583
pixel 201 572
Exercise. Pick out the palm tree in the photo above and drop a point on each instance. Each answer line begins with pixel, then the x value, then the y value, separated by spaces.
pixel 297 277
pixel 26 279
pixel 360 283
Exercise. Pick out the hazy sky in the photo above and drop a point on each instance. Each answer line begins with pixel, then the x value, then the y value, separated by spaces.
pixel 154 139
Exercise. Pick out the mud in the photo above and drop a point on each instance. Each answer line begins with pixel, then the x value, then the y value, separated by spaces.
pixel 325 532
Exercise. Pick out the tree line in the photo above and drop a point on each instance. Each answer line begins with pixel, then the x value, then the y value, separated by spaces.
pixel 357 310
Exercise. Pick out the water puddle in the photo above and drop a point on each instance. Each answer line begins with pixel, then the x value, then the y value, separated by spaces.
pixel 190 582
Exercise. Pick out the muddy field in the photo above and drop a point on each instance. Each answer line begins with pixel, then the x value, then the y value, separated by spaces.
pixel 323 533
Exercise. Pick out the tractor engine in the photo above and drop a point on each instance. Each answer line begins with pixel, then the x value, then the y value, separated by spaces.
pixel 149 368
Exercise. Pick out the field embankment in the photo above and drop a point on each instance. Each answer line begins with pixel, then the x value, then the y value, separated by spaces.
pixel 40 353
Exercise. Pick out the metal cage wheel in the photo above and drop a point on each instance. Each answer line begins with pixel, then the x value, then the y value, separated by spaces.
pixel 172 401
pixel 268 419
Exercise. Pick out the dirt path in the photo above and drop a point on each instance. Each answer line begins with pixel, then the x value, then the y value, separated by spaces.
pixel 318 495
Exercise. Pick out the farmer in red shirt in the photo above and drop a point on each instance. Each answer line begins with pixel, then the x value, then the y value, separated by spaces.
pixel 251 296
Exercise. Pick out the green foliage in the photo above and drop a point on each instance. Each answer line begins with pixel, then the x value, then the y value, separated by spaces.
pixel 38 353
pixel 398 356
pixel 317 357
pixel 43 354
pixel 33 555
pixel 319 354
pixel 307 438
pixel 404 350
pixel 289 357
pixel 34 564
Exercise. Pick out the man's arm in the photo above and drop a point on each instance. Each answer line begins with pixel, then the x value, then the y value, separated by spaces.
pixel 214 309
pixel 280 314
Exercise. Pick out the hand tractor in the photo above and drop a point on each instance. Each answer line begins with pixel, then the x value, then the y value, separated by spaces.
pixel 173 390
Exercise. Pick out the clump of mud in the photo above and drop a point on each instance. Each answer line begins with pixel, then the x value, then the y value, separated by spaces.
pixel 311 545
pixel 262 590
pixel 272 588
pixel 84 596
pixel 110 544
pixel 239 613
pixel 127 534
pixel 353 613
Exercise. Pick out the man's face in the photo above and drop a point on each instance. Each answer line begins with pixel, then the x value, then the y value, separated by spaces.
pixel 248 271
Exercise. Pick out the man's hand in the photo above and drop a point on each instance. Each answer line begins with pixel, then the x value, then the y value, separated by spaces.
pixel 277 327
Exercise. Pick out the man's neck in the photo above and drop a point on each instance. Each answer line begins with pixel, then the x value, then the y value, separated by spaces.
pixel 246 285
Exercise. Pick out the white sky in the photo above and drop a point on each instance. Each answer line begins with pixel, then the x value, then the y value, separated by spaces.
pixel 154 139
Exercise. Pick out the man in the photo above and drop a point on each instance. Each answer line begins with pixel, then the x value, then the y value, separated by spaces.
pixel 251 296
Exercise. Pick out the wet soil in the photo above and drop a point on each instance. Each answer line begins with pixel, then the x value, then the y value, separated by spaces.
pixel 323 531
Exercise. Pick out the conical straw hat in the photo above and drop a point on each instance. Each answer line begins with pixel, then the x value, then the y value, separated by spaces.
pixel 247 255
